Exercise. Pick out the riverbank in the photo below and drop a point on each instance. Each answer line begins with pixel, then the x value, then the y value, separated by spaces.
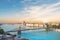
pixel 57 30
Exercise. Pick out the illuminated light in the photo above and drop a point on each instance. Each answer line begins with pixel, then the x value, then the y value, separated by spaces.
pixel 45 20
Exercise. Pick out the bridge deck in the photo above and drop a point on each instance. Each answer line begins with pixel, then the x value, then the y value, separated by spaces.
pixel 24 30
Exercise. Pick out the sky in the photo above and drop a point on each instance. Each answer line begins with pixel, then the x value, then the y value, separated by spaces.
pixel 29 10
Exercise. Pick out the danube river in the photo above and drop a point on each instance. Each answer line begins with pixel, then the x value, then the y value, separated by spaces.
pixel 33 34
pixel 41 35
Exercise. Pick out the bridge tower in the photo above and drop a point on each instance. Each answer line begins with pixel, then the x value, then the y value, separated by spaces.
pixel 24 24
pixel 19 32
pixel 47 26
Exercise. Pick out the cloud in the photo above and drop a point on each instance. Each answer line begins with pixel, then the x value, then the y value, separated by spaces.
pixel 31 1
pixel 42 11
pixel 53 5
pixel 45 11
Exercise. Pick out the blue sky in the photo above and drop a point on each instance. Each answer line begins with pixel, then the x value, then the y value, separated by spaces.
pixel 29 9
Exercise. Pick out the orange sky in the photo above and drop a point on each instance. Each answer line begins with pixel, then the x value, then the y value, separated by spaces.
pixel 27 20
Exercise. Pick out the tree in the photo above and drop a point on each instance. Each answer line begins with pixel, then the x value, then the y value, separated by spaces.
pixel 54 26
pixel 1 31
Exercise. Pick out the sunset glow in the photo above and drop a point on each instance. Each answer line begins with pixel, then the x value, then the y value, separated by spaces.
pixel 29 10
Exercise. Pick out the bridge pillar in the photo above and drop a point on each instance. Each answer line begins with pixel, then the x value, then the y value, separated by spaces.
pixel 19 32
pixel 47 26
